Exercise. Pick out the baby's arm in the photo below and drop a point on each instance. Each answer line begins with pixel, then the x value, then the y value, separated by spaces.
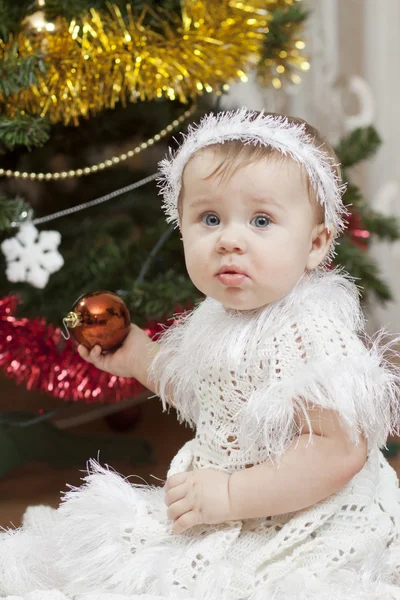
pixel 309 471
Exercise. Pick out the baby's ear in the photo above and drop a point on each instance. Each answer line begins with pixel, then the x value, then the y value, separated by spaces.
pixel 321 242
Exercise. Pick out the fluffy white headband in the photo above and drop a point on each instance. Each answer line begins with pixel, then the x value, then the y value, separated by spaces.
pixel 250 127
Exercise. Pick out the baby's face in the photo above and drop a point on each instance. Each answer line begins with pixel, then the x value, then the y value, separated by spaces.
pixel 247 237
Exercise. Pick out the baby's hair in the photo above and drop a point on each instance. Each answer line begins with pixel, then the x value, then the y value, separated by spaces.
pixel 236 153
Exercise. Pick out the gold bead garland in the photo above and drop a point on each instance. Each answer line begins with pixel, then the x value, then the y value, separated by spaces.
pixel 105 58
pixel 105 164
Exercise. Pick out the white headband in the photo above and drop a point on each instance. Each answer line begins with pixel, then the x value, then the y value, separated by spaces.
pixel 275 131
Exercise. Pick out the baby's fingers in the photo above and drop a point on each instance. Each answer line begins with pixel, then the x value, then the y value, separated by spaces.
pixel 95 353
pixel 175 480
pixel 185 522
pixel 83 352
pixel 175 494
pixel 91 356
pixel 105 361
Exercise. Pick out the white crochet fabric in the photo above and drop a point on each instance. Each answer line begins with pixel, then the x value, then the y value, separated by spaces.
pixel 239 378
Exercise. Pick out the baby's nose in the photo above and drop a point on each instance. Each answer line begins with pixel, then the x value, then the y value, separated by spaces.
pixel 231 241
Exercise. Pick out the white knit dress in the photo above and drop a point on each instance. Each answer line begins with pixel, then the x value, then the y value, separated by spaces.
pixel 240 379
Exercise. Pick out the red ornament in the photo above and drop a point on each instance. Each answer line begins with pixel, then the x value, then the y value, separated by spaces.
pixel 359 235
pixel 99 318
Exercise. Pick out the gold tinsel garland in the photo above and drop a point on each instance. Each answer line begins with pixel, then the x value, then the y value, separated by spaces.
pixel 107 59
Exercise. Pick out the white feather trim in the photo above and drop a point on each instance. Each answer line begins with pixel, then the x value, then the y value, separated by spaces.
pixel 170 372
pixel 339 371
pixel 27 562
pixel 269 130
pixel 362 389
pixel 108 550
pixel 49 595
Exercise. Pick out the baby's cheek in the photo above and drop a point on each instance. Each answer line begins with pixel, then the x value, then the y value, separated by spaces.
pixel 196 266
pixel 280 269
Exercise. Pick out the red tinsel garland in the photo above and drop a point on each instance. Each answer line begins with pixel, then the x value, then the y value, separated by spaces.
pixel 33 352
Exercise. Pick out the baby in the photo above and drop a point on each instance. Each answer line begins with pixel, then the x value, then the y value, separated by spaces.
pixel 251 226
pixel 283 493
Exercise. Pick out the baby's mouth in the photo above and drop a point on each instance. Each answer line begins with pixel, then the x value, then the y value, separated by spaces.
pixel 231 278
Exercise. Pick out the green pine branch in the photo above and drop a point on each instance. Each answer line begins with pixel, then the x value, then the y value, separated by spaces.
pixel 280 28
pixel 363 268
pixel 352 198
pixel 17 73
pixel 161 297
pixel 75 8
pixel 360 144
pixel 12 13
pixel 23 130
pixel 13 211
pixel 384 227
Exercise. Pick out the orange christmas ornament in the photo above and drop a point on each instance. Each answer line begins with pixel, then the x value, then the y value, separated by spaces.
pixel 98 318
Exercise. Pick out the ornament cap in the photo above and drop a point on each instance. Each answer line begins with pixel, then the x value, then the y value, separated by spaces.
pixel 73 319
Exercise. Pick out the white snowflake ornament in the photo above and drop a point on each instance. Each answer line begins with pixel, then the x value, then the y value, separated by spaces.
pixel 32 256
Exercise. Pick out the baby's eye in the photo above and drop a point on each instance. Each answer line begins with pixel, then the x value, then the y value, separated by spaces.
pixel 210 219
pixel 260 221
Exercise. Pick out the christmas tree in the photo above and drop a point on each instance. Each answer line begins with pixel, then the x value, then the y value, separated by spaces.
pixel 91 94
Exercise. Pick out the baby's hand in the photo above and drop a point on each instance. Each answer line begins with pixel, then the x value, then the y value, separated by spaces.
pixel 197 497
pixel 130 360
